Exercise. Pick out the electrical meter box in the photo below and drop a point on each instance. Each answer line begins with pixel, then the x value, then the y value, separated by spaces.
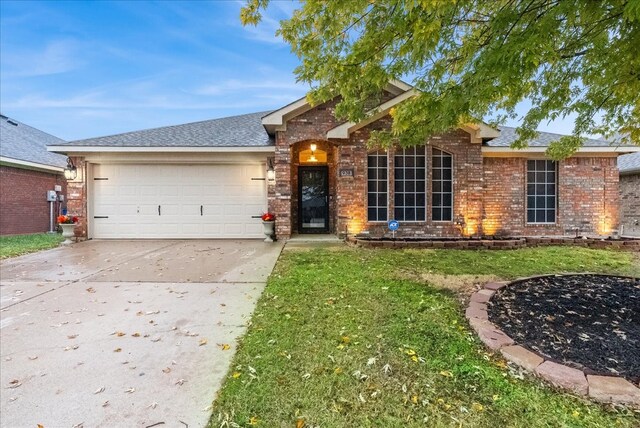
pixel 51 196
pixel 61 198
pixel 57 188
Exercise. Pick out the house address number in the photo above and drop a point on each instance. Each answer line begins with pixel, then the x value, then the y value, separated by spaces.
pixel 346 172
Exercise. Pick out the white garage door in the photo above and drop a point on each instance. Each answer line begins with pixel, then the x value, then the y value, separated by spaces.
pixel 178 201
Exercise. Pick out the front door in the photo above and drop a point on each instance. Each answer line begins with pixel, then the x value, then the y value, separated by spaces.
pixel 313 199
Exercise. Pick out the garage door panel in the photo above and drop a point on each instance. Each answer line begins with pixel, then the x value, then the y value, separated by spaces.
pixel 132 194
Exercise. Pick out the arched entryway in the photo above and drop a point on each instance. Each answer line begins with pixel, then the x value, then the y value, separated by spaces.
pixel 313 185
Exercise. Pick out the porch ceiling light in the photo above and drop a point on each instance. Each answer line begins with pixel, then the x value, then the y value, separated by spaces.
pixel 70 172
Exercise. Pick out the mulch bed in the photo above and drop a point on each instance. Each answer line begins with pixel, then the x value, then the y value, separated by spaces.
pixel 590 322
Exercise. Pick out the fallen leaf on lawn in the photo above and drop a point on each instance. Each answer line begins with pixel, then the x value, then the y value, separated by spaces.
pixel 446 373
pixel 414 399
pixel 204 342
pixel 136 335
pixel 180 382
pixel 225 347
pixel 99 390
pixel 300 423
pixel 167 370
pixel 253 421
pixel 337 370
pixel 371 361
pixel 477 407
pixel 236 375
pixel 117 350
pixel 386 369
pixel 130 390
pixel 346 339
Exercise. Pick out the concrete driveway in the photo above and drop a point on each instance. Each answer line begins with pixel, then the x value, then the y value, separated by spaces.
pixel 124 333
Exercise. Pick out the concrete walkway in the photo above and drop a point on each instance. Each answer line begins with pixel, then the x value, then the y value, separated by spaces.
pixel 124 333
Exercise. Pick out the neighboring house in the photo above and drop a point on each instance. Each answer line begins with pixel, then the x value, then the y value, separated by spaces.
pixel 210 179
pixel 629 166
pixel 27 172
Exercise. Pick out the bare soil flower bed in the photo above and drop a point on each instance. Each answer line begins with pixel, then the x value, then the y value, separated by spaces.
pixel 590 322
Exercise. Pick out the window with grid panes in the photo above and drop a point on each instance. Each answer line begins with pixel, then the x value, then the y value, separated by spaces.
pixel 441 186
pixel 410 184
pixel 377 192
pixel 541 191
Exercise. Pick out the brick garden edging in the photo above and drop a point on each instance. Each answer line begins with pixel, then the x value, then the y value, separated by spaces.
pixel 497 244
pixel 605 389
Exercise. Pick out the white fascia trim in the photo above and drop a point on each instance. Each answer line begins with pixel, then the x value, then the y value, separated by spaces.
pixel 32 165
pixel 277 118
pixel 344 130
pixel 99 149
pixel 501 151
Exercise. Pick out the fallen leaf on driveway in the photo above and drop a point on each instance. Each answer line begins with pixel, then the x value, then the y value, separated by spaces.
pixel 180 382
pixel 202 342
pixel 152 405
pixel 224 347
pixel 91 290
pixel 120 333
pixel 136 335
pixel 40 426
pixel 33 357
pixel 14 383
pixel 99 390
pixel 80 425
pixel 130 390
pixel 117 350
pixel 72 336
pixel 167 370
pixel 157 339
pixel 12 399
pixel 105 404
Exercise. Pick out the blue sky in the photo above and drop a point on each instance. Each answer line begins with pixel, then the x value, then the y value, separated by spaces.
pixel 80 69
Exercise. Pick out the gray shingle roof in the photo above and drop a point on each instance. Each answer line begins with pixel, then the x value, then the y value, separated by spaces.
pixel 23 142
pixel 236 131
pixel 508 135
pixel 630 163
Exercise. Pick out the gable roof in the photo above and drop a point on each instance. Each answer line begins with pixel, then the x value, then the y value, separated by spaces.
pixel 234 131
pixel 24 145
pixel 629 164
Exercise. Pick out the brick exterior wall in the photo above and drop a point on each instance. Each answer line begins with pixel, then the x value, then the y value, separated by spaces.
pixel 489 193
pixel 76 196
pixel 630 203
pixel 587 197
pixel 23 204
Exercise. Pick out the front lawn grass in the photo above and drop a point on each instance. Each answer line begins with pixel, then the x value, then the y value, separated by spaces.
pixel 359 338
pixel 16 245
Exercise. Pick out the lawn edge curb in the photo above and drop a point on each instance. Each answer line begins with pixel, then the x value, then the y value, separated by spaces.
pixel 603 389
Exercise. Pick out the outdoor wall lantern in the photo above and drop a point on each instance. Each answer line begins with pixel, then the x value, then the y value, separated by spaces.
pixel 313 148
pixel 271 173
pixel 70 172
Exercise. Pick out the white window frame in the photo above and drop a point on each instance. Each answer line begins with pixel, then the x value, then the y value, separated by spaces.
pixel 443 154
pixel 380 154
pixel 535 183
pixel 402 153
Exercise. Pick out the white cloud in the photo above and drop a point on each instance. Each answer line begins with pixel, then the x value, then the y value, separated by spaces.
pixel 56 57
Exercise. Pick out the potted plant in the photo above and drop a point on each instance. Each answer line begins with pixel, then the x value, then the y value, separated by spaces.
pixel 268 222
pixel 67 224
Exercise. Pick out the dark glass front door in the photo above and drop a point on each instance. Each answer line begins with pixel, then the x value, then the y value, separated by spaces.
pixel 313 199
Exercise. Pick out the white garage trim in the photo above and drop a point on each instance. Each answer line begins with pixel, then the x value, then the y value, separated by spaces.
pixel 161 200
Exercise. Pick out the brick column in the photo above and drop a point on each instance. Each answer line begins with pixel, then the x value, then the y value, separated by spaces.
pixel 77 196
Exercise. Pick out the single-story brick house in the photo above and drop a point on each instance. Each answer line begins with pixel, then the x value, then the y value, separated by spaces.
pixel 317 174
pixel 27 172
pixel 629 166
